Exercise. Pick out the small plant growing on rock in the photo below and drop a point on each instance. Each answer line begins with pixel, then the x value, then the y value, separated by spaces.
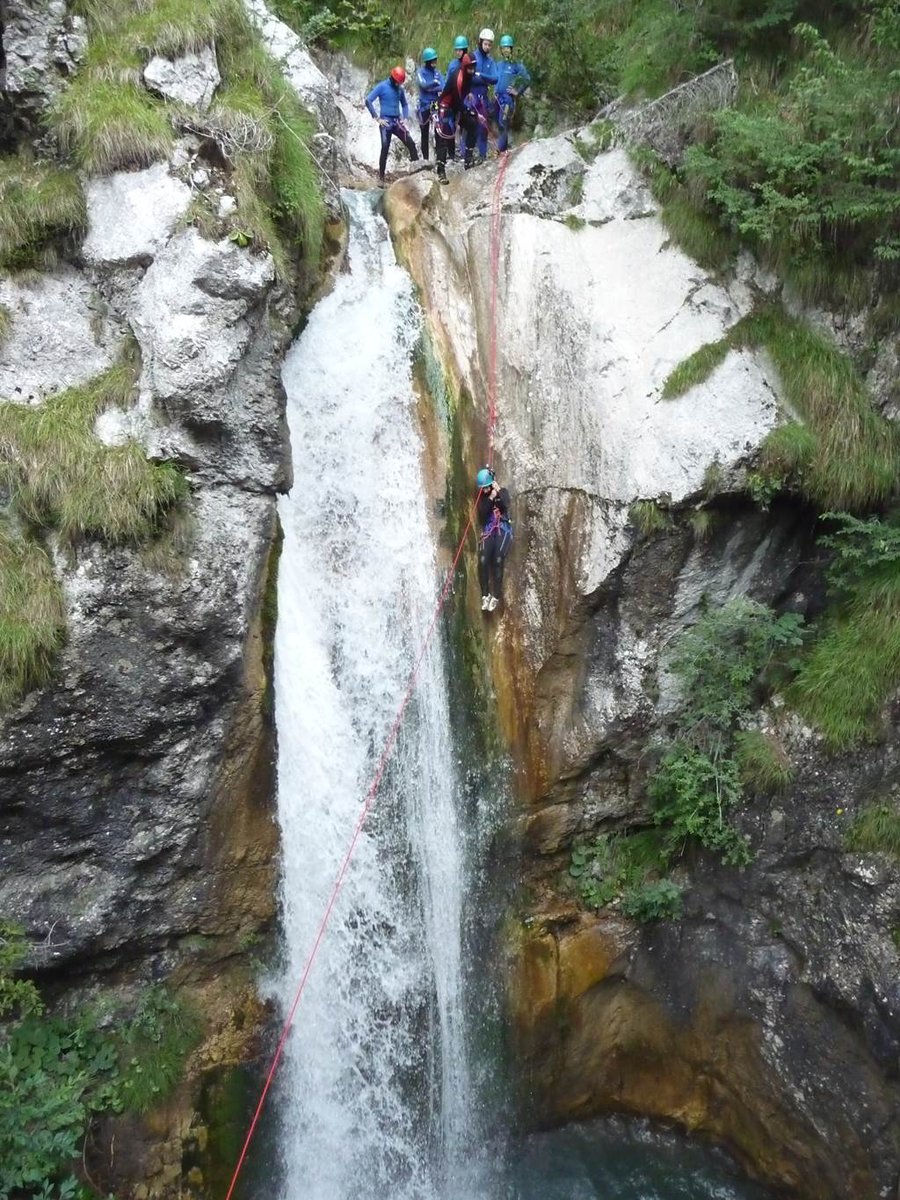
pixel 876 830
pixel 763 765
pixel 649 517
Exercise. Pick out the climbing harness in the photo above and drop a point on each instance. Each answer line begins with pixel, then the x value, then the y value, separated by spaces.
pixel 496 220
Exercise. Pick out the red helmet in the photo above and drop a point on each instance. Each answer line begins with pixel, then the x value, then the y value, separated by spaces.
pixel 398 75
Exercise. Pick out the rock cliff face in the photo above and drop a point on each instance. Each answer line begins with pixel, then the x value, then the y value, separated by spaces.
pixel 138 841
pixel 768 1017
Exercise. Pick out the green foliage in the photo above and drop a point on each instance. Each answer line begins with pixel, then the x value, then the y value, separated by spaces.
pixel 808 173
pixel 846 455
pixel 62 476
pixel 109 126
pixel 39 205
pixel 702 522
pixel 722 666
pixel 657 901
pixel 32 617
pixel 152 1049
pixel 574 222
pixel 762 763
pixel 598 136
pixel 850 673
pixel 576 188
pixel 5 322
pixel 617 866
pixel 648 517
pixel 696 368
pixel 340 22
pixel 876 830
pixel 763 487
pixel 55 1073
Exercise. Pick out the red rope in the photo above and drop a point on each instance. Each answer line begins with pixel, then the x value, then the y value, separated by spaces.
pixel 395 728
pixel 496 219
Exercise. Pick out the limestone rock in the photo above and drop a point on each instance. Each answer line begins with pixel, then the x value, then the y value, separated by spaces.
pixel 612 190
pixel 190 79
pixel 43 45
pixel 57 337
pixel 311 85
pixel 132 214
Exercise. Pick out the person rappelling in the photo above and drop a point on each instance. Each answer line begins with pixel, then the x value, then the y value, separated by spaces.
pixel 455 111
pixel 512 81
pixel 393 110
pixel 492 507
pixel 430 81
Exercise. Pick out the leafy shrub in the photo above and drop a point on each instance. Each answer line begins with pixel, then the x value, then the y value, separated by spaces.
pixel 692 791
pixel 56 1073
pixel 659 901
pixel 611 866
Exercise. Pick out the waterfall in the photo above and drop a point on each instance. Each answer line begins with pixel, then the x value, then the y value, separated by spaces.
pixel 375 1096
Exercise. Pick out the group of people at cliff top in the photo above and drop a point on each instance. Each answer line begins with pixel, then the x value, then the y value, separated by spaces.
pixel 459 103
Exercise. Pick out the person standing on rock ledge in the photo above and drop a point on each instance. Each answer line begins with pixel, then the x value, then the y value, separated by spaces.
pixel 455 111
pixel 492 507
pixel 430 81
pixel 393 110
pixel 512 81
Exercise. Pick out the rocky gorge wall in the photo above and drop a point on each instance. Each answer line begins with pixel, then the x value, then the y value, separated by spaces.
pixel 767 1017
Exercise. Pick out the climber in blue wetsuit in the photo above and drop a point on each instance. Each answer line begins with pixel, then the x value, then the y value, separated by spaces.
pixel 431 82
pixel 393 110
pixel 512 81
pixel 485 77
pixel 492 507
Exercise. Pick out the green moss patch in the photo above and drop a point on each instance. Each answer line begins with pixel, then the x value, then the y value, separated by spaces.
pixel 32 616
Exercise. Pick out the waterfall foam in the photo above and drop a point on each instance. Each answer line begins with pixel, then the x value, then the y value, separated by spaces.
pixel 375 1088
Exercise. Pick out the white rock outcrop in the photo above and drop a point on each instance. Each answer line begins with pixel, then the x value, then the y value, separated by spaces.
pixel 132 214
pixel 589 322
pixel 57 336
pixel 190 79
pixel 190 317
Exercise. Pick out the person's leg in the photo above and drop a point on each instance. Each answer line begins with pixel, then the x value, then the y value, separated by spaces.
pixel 503 542
pixel 484 555
pixel 406 138
pixel 385 131
pixel 424 122
pixel 505 112
pixel 482 127
pixel 442 147
pixel 470 124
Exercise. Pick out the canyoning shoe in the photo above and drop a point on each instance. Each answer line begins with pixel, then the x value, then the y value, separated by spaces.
pixel 486 603
pixel 493 601
pixel 443 178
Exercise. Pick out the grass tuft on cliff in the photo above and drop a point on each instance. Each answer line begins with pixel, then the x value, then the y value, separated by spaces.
pixel 61 476
pixel 844 455
pixel 32 616
pixel 108 121
pixel 39 205
pixel 876 830
pixel 763 765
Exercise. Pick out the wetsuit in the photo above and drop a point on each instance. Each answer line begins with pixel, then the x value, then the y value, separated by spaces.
pixel 430 81
pixel 485 76
pixel 496 540
pixel 455 111
pixel 391 104
pixel 509 75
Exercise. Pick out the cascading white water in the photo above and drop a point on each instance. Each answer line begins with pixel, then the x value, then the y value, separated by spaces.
pixel 376 1083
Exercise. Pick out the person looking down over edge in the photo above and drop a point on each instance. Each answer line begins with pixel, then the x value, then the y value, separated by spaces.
pixel 512 81
pixel 455 112
pixel 492 508
pixel 430 81
pixel 484 78
pixel 393 109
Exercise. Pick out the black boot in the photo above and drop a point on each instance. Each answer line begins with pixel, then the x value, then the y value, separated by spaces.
pixel 469 160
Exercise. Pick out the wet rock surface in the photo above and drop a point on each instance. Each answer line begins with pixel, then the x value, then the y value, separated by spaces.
pixel 767 1017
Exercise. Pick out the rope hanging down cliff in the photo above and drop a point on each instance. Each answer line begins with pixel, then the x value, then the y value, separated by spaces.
pixel 491 390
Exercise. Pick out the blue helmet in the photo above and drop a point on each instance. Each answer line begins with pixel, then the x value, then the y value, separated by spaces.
pixel 507 40
pixel 461 43
pixel 485 477
pixel 429 54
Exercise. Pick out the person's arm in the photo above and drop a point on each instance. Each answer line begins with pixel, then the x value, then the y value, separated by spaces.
pixel 404 106
pixel 488 76
pixel 371 98
pixel 522 74
pixel 501 501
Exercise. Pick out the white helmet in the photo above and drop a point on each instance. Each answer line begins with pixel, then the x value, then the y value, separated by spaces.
pixel 486 35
